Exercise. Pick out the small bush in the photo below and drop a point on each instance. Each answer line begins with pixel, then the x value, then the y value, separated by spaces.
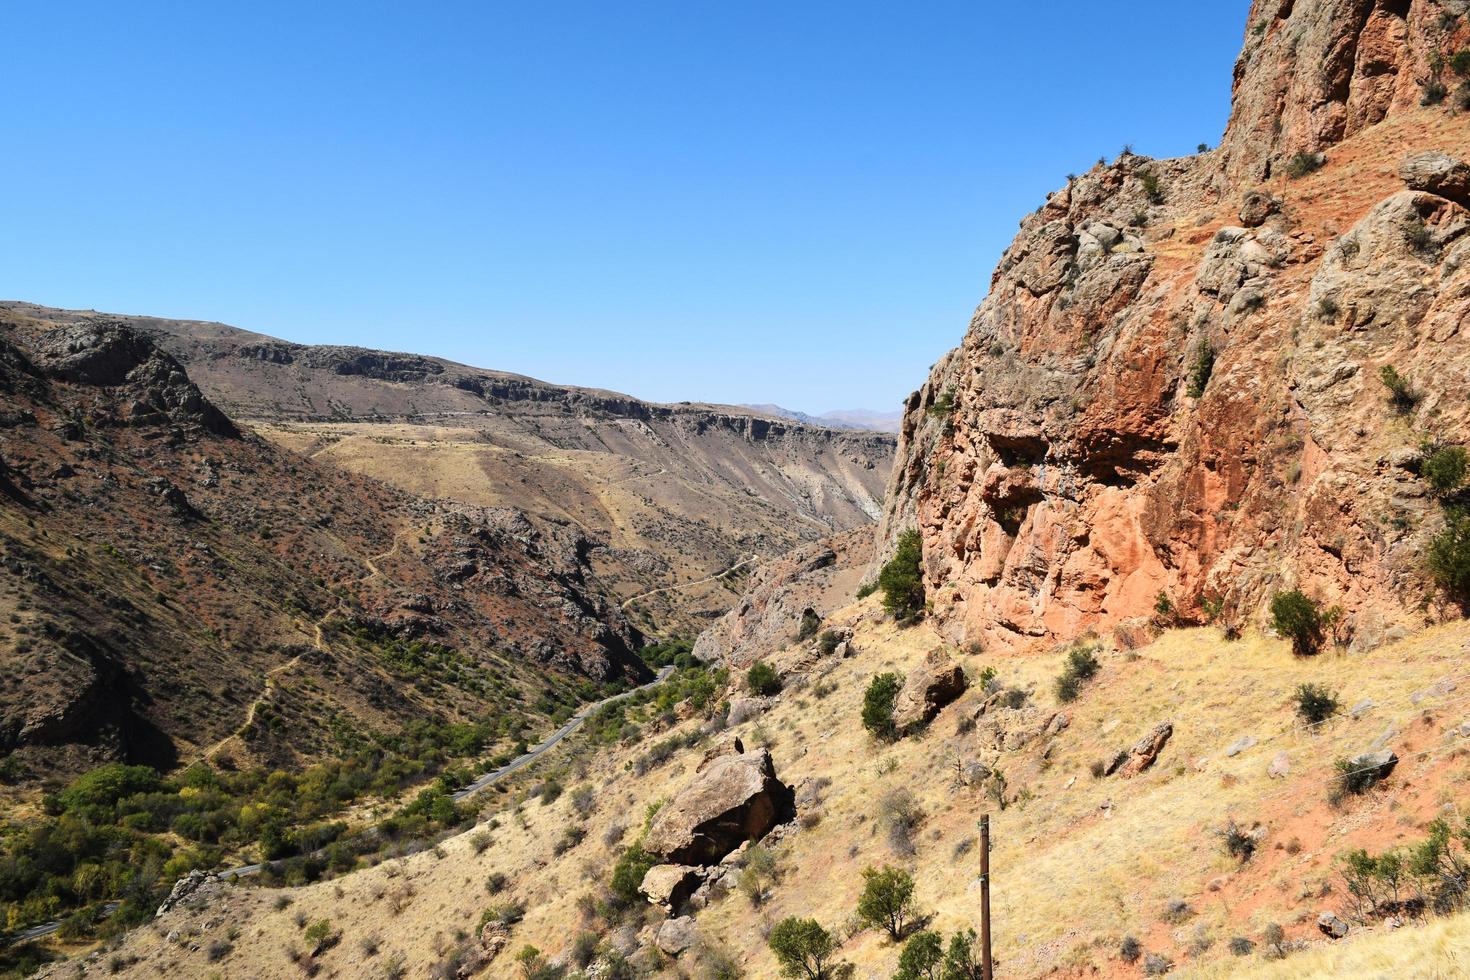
pixel 1303 164
pixel 1151 188
pixel 1448 556
pixel 1401 395
pixel 1201 368
pixel 1238 844
pixel 902 578
pixel 762 679
pixel 878 706
pixel 1081 666
pixel 1130 949
pixel 1351 779
pixel 1315 703
pixel 1460 62
pixel 1445 469
pixel 1177 911
pixel 218 950
pixel 1297 617
pixel 1434 92
pixel 828 642
pixel 1328 308
pixel 943 406
pixel 1241 946
pixel 810 623
pixel 1156 965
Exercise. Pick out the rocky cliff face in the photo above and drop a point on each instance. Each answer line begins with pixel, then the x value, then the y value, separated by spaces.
pixel 1173 387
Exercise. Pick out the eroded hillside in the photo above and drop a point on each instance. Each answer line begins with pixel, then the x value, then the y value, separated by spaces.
pixel 671 495
pixel 1082 860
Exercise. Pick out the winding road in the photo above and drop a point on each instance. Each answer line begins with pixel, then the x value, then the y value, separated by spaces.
pixel 489 779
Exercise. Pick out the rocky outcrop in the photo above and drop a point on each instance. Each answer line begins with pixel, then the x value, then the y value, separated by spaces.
pixel 737 798
pixel 1437 173
pixel 669 885
pixel 1146 752
pixel 1173 384
pixel 821 576
pixel 936 682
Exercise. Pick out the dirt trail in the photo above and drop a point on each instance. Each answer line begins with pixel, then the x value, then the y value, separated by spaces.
pixel 688 585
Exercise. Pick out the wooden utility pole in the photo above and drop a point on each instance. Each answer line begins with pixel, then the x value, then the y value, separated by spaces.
pixel 985 967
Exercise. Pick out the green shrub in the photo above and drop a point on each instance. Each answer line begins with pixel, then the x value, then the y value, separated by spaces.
pixel 943 406
pixel 810 623
pixel 1448 556
pixel 922 957
pixel 1460 62
pixel 627 876
pixel 1238 844
pixel 762 679
pixel 1445 469
pixel 887 901
pixel 1400 394
pixel 1434 92
pixel 1296 616
pixel 1315 703
pixel 803 949
pixel 1201 368
pixel 878 705
pixel 1352 779
pixel 1081 665
pixel 902 578
pixel 1151 188
pixel 1304 163
pixel 866 589
pixel 828 642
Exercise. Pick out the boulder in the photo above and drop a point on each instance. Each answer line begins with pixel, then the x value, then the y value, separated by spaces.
pixel 1280 766
pixel 183 888
pixel 1147 750
pixel 937 682
pixel 1239 745
pixel 1437 173
pixel 669 886
pixel 736 799
pixel 1331 926
pixel 1256 207
pixel 1379 763
pixel 744 709
pixel 676 935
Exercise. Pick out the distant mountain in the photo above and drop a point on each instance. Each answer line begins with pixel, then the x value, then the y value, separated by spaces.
pixel 849 418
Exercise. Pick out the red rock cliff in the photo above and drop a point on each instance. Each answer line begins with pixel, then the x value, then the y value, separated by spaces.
pixel 1060 468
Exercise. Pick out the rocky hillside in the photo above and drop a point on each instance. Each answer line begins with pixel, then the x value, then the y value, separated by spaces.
pixel 1195 382
pixel 173 586
pixel 672 495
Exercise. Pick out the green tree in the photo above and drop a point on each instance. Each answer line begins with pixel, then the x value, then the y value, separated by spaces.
pixel 902 578
pixel 803 948
pixel 763 679
pixel 1445 469
pixel 530 961
pixel 878 705
pixel 887 901
pixel 922 957
pixel 960 959
pixel 1315 703
pixel 1449 555
pixel 105 785
pixel 627 876
pixel 1298 617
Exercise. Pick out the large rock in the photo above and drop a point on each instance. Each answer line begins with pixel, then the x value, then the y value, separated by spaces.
pixel 676 935
pixel 927 689
pixel 1437 173
pixel 1379 764
pixel 1147 750
pixel 1331 926
pixel 669 886
pixel 736 799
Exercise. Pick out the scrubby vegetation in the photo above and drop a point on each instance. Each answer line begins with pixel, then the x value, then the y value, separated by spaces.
pixel 887 901
pixel 1315 703
pixel 804 949
pixel 1201 367
pixel 1298 618
pixel 1401 395
pixel 902 579
pixel 762 679
pixel 1448 556
pixel 1303 164
pixel 878 706
pixel 1445 468
pixel 1081 665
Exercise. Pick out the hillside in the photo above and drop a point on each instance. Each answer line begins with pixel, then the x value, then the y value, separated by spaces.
pixel 1080 861
pixel 176 588
pixel 670 495
pixel 1174 387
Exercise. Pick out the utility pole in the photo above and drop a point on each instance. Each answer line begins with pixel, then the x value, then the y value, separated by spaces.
pixel 985 967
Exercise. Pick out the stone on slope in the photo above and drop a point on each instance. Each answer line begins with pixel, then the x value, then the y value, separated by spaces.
pixel 937 682
pixel 736 799
pixel 1437 173
pixel 669 886
pixel 676 935
pixel 1147 750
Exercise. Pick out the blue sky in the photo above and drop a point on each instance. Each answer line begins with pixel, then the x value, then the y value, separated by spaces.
pixel 794 202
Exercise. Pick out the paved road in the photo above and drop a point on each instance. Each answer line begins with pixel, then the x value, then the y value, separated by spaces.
pixel 557 736
pixel 489 779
